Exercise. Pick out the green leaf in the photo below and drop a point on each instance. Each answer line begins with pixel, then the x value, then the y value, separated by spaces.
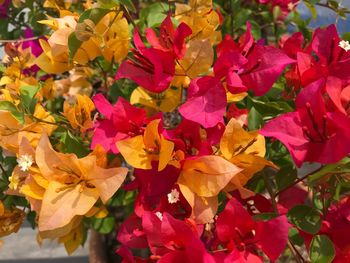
pixel 294 236
pixel 27 94
pixel 305 218
pixel 94 14
pixel 31 218
pixel 71 144
pixel 286 176
pixel 276 12
pixel 269 108
pixel 265 216
pixel 333 3
pixel 73 45
pixel 343 166
pixel 322 249
pixel 129 5
pixel 254 119
pixel 154 14
pixel 104 225
pixel 312 10
pixel 8 106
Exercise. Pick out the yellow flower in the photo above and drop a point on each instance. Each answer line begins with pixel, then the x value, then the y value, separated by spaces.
pixel 115 36
pixel 79 113
pixel 141 150
pixel 201 18
pixel 165 102
pixel 201 180
pixel 74 185
pixel 246 150
pixel 12 131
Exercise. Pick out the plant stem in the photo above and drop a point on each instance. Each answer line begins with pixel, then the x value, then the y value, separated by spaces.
pixel 298 257
pixel 297 181
pixel 3 170
pixel 326 5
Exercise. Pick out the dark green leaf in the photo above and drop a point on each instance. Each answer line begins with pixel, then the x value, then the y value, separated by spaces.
pixel 294 236
pixel 31 218
pixel 71 144
pixel 94 14
pixel 73 45
pixel 322 249
pixel 27 94
pixel 128 4
pixel 254 119
pixel 285 177
pixel 305 218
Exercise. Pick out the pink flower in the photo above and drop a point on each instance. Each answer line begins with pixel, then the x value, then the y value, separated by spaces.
pixel 34 45
pixel 173 240
pixel 312 133
pixel 323 57
pixel 170 40
pixel 206 102
pixel 121 121
pixel 240 233
pixel 151 68
pixel 249 65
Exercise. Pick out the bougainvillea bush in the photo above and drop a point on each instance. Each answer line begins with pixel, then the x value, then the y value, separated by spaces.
pixel 179 131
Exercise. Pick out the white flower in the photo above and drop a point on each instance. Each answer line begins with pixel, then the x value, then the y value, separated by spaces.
pixel 173 196
pixel 345 45
pixel 159 215
pixel 24 162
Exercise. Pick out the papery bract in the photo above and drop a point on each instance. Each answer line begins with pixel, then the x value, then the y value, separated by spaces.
pixel 238 229
pixel 74 186
pixel 174 240
pixel 152 69
pixel 121 121
pixel 141 150
pixel 170 39
pixel 206 103
pixel 312 133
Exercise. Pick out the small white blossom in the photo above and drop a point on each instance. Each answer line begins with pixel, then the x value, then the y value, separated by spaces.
pixel 159 215
pixel 24 162
pixel 173 196
pixel 345 45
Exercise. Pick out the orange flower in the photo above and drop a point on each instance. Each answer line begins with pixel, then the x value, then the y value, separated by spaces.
pixel 201 180
pixel 12 131
pixel 79 113
pixel 75 185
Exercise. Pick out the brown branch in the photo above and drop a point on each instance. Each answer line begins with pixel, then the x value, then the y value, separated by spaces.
pixel 298 181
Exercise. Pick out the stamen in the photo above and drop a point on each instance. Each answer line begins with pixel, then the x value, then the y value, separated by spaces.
pixel 313 121
pixel 251 69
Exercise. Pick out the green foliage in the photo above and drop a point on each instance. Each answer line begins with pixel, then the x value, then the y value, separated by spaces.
pixel 321 249
pixel 8 106
pixel 103 225
pixel 27 94
pixel 305 218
